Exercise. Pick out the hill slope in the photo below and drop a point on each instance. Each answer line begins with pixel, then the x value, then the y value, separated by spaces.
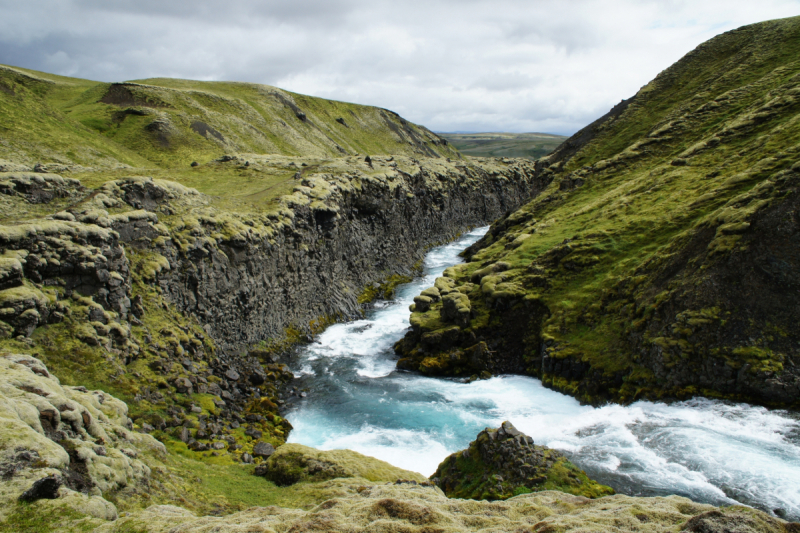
pixel 167 123
pixel 663 258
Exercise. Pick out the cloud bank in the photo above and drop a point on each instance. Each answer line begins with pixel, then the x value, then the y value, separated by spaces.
pixel 452 65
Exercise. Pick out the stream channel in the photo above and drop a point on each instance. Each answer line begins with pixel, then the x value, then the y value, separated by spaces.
pixel 710 451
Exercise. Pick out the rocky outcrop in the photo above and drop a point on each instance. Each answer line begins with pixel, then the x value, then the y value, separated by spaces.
pixel 294 463
pixel 504 462
pixel 66 443
pixel 246 278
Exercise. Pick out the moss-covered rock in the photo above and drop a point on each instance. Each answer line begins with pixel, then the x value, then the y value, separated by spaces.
pixel 359 506
pixel 295 463
pixel 501 463
pixel 82 438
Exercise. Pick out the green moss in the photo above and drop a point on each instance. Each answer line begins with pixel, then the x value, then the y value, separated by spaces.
pixel 31 518
pixel 383 290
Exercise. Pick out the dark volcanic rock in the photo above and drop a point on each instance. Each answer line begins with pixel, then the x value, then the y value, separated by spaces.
pixel 45 488
pixel 249 289
pixel 263 449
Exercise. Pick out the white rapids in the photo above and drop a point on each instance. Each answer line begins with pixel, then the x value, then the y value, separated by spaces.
pixel 710 451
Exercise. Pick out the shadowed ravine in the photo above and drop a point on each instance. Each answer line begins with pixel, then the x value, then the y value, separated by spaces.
pixel 710 451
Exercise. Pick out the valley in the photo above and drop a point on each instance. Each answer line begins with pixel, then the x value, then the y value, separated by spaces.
pixel 199 281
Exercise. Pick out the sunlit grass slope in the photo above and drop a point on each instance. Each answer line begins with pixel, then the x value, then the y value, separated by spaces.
pixel 170 123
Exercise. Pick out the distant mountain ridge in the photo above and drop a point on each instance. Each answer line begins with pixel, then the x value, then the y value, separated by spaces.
pixel 499 144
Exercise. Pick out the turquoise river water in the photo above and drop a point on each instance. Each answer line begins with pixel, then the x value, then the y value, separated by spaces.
pixel 711 451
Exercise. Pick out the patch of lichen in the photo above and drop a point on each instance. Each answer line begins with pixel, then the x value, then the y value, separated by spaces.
pixel 626 245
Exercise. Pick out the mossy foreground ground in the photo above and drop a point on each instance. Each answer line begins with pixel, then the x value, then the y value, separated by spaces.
pixel 113 479
pixel 662 261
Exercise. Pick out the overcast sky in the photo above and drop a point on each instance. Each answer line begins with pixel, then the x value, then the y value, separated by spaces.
pixel 469 65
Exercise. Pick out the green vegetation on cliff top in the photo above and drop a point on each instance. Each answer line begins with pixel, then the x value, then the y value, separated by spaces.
pixel 657 261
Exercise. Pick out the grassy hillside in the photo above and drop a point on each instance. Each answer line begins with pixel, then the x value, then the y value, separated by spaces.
pixel 530 145
pixel 663 258
pixel 170 123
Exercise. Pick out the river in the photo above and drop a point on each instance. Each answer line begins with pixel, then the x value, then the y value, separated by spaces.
pixel 710 451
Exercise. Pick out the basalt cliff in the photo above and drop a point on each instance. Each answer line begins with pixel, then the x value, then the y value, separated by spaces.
pixel 164 242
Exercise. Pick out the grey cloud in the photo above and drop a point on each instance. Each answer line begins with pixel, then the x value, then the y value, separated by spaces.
pixel 513 65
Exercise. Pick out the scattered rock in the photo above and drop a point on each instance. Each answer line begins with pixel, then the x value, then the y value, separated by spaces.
pixel 257 378
pixel 263 449
pixel 183 385
pixel 253 433
pixel 45 488
pixel 198 446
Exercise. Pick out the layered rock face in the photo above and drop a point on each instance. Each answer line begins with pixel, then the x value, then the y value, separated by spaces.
pixel 249 276
pixel 149 284
pixel 504 462
pixel 340 236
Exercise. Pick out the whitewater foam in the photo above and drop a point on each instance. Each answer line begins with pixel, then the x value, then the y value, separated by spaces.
pixel 710 451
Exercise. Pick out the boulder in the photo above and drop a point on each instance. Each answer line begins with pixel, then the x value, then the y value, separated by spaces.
pixel 504 462
pixel 45 488
pixel 263 449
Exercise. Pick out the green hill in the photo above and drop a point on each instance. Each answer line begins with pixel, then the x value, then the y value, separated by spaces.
pixel 529 145
pixel 171 123
pixel 662 260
